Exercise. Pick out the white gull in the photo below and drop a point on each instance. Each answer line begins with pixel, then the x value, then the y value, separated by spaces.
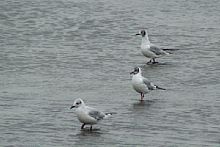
pixel 141 84
pixel 88 115
pixel 150 50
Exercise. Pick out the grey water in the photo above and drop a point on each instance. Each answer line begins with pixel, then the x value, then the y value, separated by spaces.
pixel 54 51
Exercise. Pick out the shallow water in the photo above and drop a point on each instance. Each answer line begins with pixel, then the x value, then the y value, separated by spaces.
pixel 53 52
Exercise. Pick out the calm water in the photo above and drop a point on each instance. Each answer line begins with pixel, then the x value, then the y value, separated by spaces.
pixel 54 51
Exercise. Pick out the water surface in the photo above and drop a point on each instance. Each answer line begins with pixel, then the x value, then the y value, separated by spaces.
pixel 53 52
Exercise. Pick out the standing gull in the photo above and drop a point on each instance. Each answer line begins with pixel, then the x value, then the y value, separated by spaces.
pixel 88 115
pixel 141 84
pixel 149 50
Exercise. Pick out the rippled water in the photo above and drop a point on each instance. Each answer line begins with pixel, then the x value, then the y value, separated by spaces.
pixel 54 51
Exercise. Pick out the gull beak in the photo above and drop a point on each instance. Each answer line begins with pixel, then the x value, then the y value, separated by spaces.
pixel 72 107
pixel 131 73
pixel 138 34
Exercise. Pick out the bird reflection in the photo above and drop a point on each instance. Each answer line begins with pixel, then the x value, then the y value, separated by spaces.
pixel 144 104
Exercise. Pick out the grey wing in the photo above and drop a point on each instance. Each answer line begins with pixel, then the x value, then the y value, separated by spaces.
pixel 96 114
pixel 156 50
pixel 149 84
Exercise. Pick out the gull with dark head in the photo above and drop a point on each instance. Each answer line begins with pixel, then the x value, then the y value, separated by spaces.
pixel 148 49
pixel 141 84
pixel 88 115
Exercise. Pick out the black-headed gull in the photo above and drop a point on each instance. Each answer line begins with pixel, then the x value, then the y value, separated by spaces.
pixel 88 115
pixel 141 84
pixel 148 49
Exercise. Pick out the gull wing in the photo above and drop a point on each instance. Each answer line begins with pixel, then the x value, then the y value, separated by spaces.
pixel 149 84
pixel 96 114
pixel 157 50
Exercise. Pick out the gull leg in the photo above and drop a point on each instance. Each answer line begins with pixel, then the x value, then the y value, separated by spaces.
pixel 83 126
pixel 154 61
pixel 90 128
pixel 142 96
pixel 149 62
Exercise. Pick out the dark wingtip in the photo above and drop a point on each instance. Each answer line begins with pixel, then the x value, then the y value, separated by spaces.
pixel 160 88
pixel 171 49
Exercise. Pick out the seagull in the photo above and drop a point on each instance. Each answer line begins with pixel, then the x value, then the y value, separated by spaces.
pixel 149 50
pixel 88 115
pixel 141 84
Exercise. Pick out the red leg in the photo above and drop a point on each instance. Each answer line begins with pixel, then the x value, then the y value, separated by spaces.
pixel 142 96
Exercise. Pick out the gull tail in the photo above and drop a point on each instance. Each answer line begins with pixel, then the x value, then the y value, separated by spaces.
pixel 160 88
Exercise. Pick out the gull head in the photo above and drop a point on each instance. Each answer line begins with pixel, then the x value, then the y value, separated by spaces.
pixel 142 33
pixel 77 103
pixel 136 71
